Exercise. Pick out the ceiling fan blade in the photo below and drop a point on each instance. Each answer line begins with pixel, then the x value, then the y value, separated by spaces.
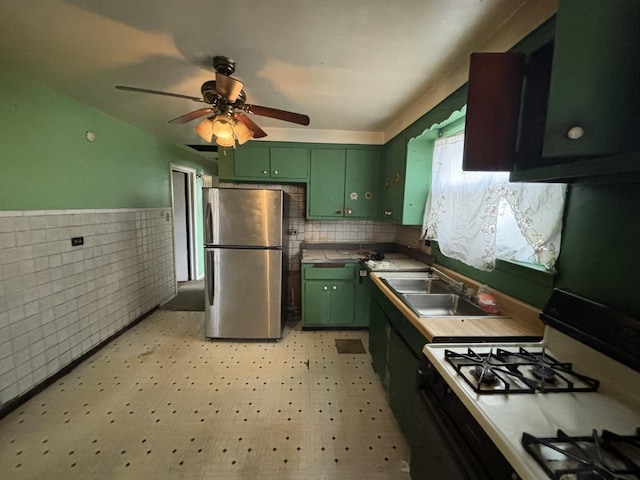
pixel 158 92
pixel 228 87
pixel 187 117
pixel 275 113
pixel 250 124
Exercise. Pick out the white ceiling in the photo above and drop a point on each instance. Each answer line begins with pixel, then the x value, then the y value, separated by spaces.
pixel 358 68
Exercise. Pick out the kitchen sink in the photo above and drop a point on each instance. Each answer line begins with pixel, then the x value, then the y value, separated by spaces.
pixel 417 285
pixel 441 305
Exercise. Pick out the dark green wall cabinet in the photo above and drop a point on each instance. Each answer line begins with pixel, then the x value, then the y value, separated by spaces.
pixel 579 108
pixel 265 163
pixel 344 183
pixel 407 178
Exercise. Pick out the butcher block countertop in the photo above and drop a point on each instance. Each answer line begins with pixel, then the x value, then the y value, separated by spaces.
pixel 521 321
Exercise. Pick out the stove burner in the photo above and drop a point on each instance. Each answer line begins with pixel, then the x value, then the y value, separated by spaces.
pixel 516 370
pixel 595 457
pixel 544 373
pixel 484 374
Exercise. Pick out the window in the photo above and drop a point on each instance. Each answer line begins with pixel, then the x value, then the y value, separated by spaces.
pixel 477 217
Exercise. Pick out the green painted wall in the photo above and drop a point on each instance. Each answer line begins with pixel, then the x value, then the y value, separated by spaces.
pixel 599 257
pixel 46 161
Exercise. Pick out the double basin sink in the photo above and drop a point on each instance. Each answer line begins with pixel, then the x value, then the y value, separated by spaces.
pixel 430 296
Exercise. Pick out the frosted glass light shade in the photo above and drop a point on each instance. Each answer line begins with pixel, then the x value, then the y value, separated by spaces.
pixel 226 142
pixel 242 133
pixel 204 130
pixel 222 126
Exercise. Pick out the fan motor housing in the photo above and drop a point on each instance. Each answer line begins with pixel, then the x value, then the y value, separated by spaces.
pixel 224 65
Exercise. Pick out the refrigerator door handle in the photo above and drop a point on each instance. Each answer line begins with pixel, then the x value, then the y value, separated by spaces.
pixel 208 224
pixel 210 278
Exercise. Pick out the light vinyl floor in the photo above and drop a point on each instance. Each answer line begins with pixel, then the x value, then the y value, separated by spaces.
pixel 161 402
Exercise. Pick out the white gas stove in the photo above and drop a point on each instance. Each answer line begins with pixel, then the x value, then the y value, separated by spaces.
pixel 546 391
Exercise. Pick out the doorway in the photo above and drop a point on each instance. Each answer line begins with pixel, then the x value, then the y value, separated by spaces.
pixel 184 230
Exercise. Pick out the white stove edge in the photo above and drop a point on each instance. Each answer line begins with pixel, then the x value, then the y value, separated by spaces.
pixel 504 419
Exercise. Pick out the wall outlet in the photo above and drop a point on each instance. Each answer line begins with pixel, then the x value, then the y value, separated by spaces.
pixel 75 241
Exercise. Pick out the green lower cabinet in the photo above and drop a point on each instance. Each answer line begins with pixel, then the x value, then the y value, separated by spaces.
pixel 379 329
pixel 328 296
pixel 395 346
pixel 401 389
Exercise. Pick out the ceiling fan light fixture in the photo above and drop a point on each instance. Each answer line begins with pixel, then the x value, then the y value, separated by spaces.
pixel 226 142
pixel 222 126
pixel 204 129
pixel 243 134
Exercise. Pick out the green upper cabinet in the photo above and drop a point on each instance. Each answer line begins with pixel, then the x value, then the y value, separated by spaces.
pixel 595 79
pixel 263 162
pixel 344 183
pixel 579 108
pixel 407 178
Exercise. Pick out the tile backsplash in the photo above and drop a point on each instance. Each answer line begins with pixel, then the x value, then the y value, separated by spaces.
pixel 59 301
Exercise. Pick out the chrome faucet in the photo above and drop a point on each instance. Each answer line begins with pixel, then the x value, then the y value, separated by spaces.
pixel 458 287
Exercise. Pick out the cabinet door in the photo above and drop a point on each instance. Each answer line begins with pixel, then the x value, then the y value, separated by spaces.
pixel 594 80
pixel 393 180
pixel 378 339
pixel 326 183
pixel 362 183
pixel 251 162
pixel 493 106
pixel 317 302
pixel 289 163
pixel 342 302
pixel 402 371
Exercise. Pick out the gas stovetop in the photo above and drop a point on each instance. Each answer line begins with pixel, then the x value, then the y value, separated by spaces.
pixel 517 370
pixel 584 376
pixel 605 455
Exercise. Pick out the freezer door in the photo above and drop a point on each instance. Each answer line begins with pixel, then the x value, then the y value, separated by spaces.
pixel 243 293
pixel 243 217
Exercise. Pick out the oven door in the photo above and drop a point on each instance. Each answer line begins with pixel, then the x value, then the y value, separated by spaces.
pixel 450 444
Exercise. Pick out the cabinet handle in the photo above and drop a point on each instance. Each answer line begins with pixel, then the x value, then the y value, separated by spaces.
pixel 338 211
pixel 349 211
pixel 265 172
pixel 335 288
pixel 275 172
pixel 387 213
pixel 325 288
pixel 575 133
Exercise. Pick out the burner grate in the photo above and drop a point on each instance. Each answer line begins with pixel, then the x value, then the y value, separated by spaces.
pixel 608 456
pixel 517 371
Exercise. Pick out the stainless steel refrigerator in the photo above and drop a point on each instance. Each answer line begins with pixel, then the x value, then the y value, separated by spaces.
pixel 244 232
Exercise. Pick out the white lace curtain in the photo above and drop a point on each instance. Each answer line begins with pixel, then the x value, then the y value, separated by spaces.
pixel 478 216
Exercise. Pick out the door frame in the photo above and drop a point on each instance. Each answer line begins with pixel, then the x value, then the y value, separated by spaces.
pixel 191 173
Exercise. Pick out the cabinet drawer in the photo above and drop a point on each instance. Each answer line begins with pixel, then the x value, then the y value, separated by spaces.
pixel 320 272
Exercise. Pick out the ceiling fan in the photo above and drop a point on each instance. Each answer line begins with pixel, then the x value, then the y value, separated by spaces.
pixel 226 114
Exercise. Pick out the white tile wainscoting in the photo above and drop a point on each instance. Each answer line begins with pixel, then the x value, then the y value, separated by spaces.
pixel 59 301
